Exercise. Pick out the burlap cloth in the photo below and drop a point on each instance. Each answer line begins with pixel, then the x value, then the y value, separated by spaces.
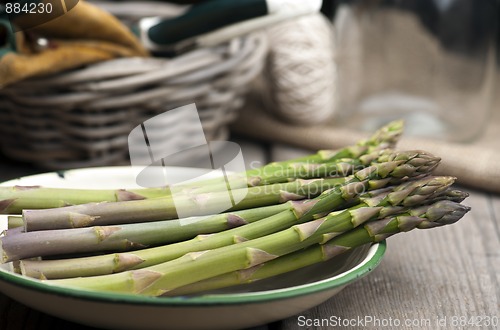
pixel 476 164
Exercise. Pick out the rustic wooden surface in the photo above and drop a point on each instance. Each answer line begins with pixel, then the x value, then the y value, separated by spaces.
pixel 424 277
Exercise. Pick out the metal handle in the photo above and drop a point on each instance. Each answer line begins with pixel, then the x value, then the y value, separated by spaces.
pixel 206 17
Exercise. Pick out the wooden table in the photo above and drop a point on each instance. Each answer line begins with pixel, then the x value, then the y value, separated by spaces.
pixel 431 279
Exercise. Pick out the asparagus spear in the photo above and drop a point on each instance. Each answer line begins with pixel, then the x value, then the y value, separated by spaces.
pixel 14 199
pixel 124 237
pixel 439 214
pixel 96 214
pixel 15 221
pixel 159 279
pixel 405 164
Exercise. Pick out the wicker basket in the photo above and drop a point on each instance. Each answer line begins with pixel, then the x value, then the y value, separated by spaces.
pixel 83 117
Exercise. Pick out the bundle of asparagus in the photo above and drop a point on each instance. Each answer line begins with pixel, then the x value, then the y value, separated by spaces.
pixel 295 213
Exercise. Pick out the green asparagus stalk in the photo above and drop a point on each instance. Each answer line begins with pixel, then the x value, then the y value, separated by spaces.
pixel 157 280
pixel 439 214
pixel 17 198
pixel 14 199
pixel 14 221
pixel 98 214
pixel 405 164
pixel 123 237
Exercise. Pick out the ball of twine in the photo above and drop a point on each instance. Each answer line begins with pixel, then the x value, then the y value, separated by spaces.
pixel 300 77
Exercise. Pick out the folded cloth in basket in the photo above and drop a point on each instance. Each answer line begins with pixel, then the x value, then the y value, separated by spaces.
pixel 84 35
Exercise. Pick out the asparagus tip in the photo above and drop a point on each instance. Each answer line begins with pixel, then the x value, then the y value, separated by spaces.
pixel 456 195
pixel 446 212
pixel 388 134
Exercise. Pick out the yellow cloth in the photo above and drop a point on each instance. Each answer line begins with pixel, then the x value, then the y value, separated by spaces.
pixel 84 35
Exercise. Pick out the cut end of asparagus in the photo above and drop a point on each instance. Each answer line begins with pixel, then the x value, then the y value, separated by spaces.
pixel 4 257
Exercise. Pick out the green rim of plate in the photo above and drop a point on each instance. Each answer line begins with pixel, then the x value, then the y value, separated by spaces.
pixel 368 264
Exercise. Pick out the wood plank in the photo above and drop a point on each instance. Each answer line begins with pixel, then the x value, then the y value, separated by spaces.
pixel 426 275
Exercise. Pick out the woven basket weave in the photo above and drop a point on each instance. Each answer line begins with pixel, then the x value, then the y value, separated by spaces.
pixel 83 117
